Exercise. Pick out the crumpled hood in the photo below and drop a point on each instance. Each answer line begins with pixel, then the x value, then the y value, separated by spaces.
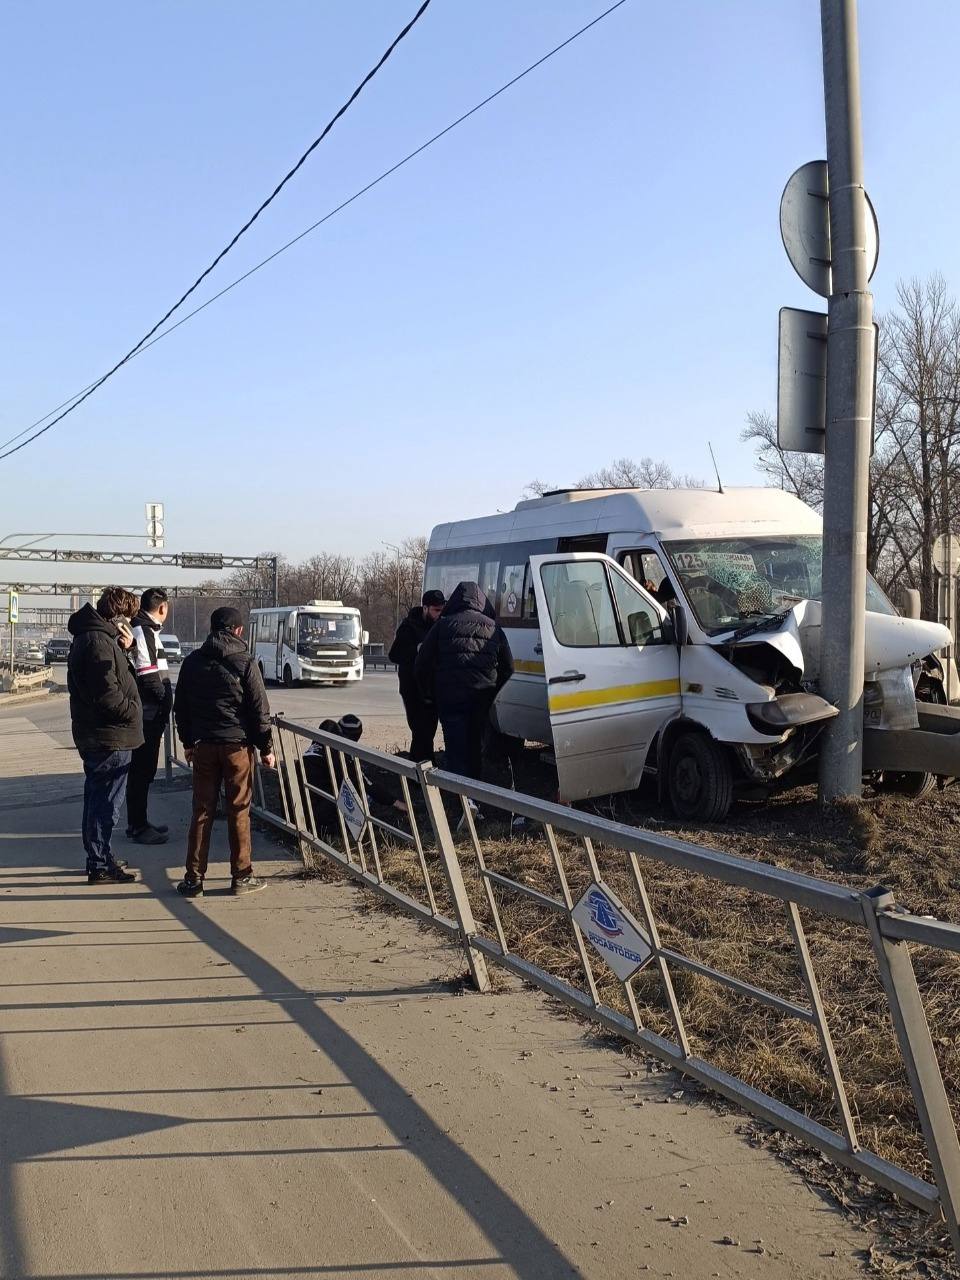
pixel 890 642
pixel 468 595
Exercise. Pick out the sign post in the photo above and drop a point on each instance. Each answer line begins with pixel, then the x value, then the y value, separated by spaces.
pixel 851 345
pixel 13 617
pixel 946 563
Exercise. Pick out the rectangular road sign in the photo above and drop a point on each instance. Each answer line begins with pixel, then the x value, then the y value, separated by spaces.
pixel 802 381
pixel 349 804
pixel 201 560
pixel 13 608
pixel 612 931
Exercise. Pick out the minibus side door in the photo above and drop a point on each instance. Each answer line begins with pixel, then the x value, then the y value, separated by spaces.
pixel 612 669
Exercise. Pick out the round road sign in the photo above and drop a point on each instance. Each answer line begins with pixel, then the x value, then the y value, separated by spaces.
pixel 805 227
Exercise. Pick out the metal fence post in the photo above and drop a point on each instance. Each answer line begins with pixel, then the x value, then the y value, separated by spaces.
pixel 919 1057
pixel 433 798
pixel 167 752
pixel 290 789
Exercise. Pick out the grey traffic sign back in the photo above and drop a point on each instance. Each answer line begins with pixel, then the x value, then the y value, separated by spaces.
pixel 805 227
pixel 802 381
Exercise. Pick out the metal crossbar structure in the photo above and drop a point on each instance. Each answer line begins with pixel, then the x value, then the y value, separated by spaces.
pixel 94 589
pixel 170 559
pixel 312 768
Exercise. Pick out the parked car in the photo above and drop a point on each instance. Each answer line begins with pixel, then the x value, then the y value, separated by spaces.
pixel 57 650
pixel 171 648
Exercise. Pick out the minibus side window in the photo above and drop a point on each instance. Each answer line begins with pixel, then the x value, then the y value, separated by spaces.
pixel 646 567
pixel 511 591
pixel 529 596
pixel 581 607
pixel 638 620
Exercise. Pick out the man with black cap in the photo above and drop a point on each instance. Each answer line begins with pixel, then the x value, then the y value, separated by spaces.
pixel 421 715
pixel 222 715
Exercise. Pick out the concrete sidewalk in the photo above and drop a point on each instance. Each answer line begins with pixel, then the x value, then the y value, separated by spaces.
pixel 290 1086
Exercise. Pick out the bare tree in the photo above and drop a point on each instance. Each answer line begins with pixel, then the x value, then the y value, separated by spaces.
pixel 624 473
pixel 914 490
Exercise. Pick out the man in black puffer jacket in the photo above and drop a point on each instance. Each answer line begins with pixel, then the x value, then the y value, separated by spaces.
pixel 222 714
pixel 411 633
pixel 107 723
pixel 462 665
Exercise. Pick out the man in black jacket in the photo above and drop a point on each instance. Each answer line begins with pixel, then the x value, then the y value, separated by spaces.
pixel 107 724
pixel 156 695
pixel 222 715
pixel 462 665
pixel 421 715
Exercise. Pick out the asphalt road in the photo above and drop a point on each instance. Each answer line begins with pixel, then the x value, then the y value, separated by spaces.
pixel 374 699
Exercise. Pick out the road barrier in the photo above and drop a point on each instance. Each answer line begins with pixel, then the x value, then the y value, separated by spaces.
pixel 602 929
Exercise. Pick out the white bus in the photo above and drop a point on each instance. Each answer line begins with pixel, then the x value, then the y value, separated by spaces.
pixel 678 631
pixel 320 642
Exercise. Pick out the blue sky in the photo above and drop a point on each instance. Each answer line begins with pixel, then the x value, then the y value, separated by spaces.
pixel 589 268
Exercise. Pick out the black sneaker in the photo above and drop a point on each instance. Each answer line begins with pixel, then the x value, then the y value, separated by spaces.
pixel 247 884
pixel 114 874
pixel 189 888
pixel 149 835
pixel 157 826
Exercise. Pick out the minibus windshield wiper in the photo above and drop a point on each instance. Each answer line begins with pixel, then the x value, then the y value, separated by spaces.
pixel 766 623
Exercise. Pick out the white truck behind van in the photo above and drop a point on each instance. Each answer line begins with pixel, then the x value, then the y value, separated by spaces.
pixel 677 631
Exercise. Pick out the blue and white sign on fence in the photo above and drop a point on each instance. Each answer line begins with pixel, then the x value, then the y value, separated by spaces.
pixel 350 805
pixel 610 929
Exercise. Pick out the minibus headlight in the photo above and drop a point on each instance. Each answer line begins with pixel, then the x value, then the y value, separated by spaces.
pixel 788 711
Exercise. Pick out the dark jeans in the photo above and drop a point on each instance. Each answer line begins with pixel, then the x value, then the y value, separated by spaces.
pixel 105 776
pixel 422 719
pixel 464 726
pixel 232 764
pixel 143 770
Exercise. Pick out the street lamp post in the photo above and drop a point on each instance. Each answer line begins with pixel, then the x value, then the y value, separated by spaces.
pixel 393 547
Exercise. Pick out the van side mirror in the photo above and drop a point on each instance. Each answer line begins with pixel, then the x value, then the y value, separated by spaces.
pixel 911 603
pixel 678 621
pixel 366 637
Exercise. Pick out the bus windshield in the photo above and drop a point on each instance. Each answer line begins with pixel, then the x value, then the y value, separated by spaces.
pixel 328 628
pixel 729 581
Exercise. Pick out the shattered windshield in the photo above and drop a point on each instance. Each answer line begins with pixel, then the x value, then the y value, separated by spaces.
pixel 730 581
pixel 327 628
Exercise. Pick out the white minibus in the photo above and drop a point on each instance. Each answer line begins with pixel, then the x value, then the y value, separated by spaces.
pixel 677 631
pixel 320 642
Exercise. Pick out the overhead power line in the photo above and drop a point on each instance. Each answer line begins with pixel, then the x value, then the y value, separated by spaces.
pixel 405 31
pixel 153 337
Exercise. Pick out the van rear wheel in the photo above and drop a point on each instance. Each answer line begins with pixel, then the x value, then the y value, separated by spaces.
pixel 912 786
pixel 699 778
pixel 287 677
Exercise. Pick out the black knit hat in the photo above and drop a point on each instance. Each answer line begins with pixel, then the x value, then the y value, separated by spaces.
pixel 433 599
pixel 226 619
pixel 351 727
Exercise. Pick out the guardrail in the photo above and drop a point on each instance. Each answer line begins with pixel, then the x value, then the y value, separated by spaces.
pixel 25 676
pixel 413 860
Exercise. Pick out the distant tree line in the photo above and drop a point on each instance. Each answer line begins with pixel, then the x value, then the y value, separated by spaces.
pixel 381 585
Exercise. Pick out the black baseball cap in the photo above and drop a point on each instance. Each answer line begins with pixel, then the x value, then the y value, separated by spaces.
pixel 433 599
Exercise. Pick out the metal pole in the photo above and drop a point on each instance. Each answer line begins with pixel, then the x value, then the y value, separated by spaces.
pixel 850 377
pixel 276 581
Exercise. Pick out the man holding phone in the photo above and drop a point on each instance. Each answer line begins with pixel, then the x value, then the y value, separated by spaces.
pixel 222 716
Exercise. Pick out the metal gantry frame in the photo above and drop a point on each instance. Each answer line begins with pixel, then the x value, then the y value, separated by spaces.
pixel 887 932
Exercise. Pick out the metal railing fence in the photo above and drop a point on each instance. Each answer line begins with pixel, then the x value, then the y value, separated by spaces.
pixel 413 859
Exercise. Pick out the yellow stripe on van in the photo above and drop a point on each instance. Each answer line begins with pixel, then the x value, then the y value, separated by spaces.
pixel 581 701
pixel 528 668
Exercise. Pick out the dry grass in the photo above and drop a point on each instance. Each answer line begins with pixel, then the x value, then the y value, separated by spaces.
pixel 910 848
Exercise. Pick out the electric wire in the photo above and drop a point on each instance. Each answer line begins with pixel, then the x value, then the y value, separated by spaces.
pixel 88 391
pixel 153 337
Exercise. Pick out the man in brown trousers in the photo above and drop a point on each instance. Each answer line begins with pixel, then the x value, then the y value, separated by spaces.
pixel 222 716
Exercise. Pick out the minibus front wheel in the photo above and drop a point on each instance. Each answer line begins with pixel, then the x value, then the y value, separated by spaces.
pixel 699 777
